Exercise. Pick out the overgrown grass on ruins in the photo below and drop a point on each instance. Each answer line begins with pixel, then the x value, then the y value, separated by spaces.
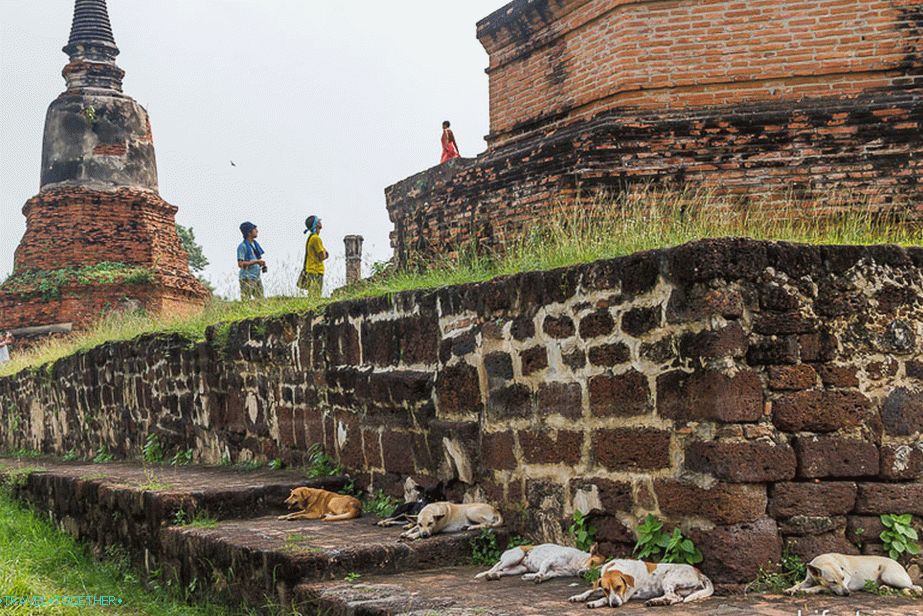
pixel 600 228
pixel 37 560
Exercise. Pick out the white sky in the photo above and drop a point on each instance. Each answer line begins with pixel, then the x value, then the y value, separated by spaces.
pixel 320 104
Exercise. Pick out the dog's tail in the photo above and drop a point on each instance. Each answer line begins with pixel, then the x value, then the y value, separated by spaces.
pixel 707 590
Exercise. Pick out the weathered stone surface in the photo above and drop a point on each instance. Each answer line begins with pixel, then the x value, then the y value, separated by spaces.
pixel 881 498
pixel 534 360
pixel 722 503
pixel 513 401
pixel 902 462
pixel 830 456
pixel 810 546
pixel 614 496
pixel 499 366
pixel 600 323
pixel 812 499
pixel 609 354
pixel 562 398
pixel 710 395
pixel 816 347
pixel 742 461
pixel 819 411
pixel 728 341
pixel 902 412
pixel 700 302
pixel 724 558
pixel 806 525
pixel 838 376
pixel 773 351
pixel 792 378
pixel 497 451
pixel 640 321
pixel 547 447
pixel 620 395
pixel 458 389
pixel 631 448
pixel 559 327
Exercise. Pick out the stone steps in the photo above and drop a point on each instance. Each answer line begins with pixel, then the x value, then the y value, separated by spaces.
pixel 453 591
pixel 351 568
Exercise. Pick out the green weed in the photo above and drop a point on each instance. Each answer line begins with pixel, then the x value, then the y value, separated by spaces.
pixel 899 536
pixel 582 532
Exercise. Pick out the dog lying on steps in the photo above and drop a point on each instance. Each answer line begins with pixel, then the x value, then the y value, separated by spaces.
pixel 315 504
pixel 842 574
pixel 421 497
pixel 543 562
pixel 451 518
pixel 662 584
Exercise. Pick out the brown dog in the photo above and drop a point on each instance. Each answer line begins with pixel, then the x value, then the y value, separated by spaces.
pixel 314 504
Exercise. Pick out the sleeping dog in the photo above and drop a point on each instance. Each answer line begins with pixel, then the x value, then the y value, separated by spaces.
pixel 543 562
pixel 418 498
pixel 663 584
pixel 438 518
pixel 842 574
pixel 314 504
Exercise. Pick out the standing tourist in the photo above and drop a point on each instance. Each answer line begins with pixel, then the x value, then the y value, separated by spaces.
pixel 312 277
pixel 251 264
pixel 449 146
pixel 5 341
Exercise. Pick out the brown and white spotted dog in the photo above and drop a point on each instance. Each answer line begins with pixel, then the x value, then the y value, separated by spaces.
pixel 663 584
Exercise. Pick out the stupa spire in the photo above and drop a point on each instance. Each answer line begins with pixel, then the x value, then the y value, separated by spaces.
pixel 92 50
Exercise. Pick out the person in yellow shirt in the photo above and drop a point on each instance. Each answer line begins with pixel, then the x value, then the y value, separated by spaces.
pixel 312 277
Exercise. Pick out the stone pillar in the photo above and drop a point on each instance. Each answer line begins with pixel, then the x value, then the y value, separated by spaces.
pixel 353 258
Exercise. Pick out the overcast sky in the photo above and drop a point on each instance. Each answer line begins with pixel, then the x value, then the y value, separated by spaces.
pixel 320 104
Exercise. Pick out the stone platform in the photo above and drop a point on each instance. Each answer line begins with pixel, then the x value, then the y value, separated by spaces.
pixel 244 554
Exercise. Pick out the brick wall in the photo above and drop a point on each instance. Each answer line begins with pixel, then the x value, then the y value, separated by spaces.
pixel 73 227
pixel 757 98
pixel 753 393
pixel 568 59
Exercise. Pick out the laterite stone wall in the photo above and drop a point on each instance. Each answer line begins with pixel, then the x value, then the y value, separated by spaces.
pixel 753 393
pixel 759 99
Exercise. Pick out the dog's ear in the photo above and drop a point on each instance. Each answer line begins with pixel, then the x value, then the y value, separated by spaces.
pixel 815 571
pixel 594 549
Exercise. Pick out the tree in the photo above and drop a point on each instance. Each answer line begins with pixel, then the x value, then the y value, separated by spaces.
pixel 197 259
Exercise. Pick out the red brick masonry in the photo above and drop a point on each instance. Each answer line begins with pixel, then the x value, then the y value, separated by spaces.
pixel 753 393
pixel 763 97
pixel 77 227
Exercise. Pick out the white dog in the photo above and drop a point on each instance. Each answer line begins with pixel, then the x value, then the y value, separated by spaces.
pixel 450 518
pixel 842 574
pixel 664 584
pixel 543 562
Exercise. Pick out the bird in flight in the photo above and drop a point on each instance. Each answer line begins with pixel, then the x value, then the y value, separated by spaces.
pixel 233 164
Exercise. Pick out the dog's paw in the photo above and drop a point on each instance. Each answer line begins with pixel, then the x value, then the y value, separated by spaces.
pixel 576 599
pixel 283 518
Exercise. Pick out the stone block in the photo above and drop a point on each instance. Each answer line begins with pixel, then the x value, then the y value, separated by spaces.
pixel 559 327
pixel 639 321
pixel 710 395
pixel 534 360
pixel 742 461
pixel 723 503
pixel 725 560
pixel 551 447
pixel 458 390
pixel 819 411
pixel 511 402
pixel 623 449
pixel 728 341
pixel 792 378
pixel 812 499
pixel 621 395
pixel 497 451
pixel 881 498
pixel 902 462
pixel 561 398
pixel 609 354
pixel 902 412
pixel 831 456
pixel 599 323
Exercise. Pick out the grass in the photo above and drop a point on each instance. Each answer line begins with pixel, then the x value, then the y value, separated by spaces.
pixel 599 228
pixel 38 560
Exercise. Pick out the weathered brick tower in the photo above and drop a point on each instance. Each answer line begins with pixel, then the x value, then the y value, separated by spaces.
pixel 98 235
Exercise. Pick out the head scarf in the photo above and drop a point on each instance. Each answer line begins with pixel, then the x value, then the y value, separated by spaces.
pixel 311 223
pixel 246 228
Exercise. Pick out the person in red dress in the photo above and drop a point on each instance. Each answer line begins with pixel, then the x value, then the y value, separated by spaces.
pixel 449 147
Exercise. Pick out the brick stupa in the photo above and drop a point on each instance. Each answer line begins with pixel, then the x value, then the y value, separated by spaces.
pixel 98 234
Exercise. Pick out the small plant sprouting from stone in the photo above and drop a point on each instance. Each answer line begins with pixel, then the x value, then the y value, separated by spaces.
pixel 71 456
pixel 658 545
pixel 592 575
pixel 181 517
pixel 871 586
pixel 103 456
pixel 18 477
pixel 276 464
pixel 320 464
pixel 583 534
pixel 776 578
pixel 199 520
pixel 89 114
pixel 250 466
pixel 485 548
pixel 352 577
pixel 899 536
pixel 152 452
pixel 181 458
pixel 380 504
pixel 153 483
pixel 859 532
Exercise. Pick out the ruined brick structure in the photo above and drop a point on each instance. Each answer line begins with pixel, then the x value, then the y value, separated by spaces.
pixel 757 98
pixel 751 392
pixel 99 201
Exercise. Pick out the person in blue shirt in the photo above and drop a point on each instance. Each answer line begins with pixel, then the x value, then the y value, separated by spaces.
pixel 251 264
